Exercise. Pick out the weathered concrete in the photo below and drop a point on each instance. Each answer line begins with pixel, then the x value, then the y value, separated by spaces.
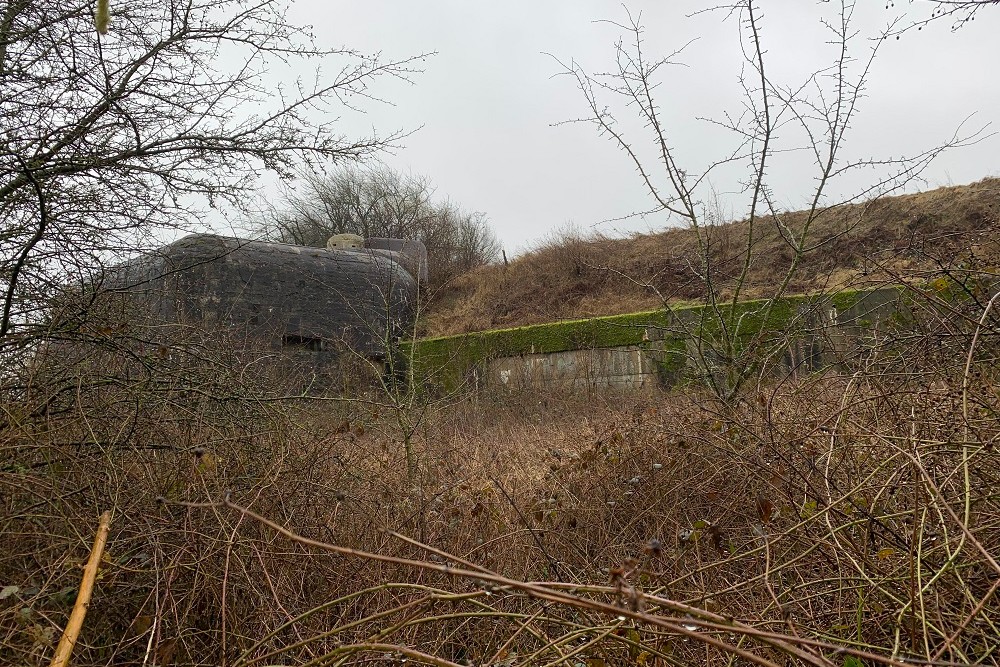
pixel 410 253
pixel 818 335
pixel 270 295
pixel 629 367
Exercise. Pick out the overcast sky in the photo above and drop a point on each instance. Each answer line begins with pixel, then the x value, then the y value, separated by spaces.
pixel 487 106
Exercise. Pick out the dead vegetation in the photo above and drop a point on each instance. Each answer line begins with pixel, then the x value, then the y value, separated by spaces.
pixel 575 275
pixel 823 519
pixel 257 517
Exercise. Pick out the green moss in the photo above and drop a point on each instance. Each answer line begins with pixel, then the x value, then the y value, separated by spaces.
pixel 845 300
pixel 448 361
pixel 727 333
pixel 901 318
pixel 670 356
pixel 451 360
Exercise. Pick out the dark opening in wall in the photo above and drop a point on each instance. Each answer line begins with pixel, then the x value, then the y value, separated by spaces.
pixel 311 343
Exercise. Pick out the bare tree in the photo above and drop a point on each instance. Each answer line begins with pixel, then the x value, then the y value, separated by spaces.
pixel 463 240
pixel 776 119
pixel 148 120
pixel 959 11
pixel 351 200
pixel 381 202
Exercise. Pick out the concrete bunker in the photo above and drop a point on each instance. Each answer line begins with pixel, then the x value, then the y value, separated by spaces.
pixel 323 302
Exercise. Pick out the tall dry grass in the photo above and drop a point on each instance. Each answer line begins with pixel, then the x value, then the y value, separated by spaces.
pixel 829 518
pixel 574 274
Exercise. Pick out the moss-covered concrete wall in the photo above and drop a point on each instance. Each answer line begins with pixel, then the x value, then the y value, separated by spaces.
pixel 675 343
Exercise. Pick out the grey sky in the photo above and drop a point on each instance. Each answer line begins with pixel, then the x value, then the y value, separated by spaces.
pixel 487 102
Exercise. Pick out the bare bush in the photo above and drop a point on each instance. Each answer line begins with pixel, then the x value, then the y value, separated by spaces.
pixel 826 517
pixel 822 519
pixel 814 116
pixel 381 202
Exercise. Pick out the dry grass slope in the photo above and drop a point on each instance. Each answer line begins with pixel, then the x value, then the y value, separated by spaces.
pixel 575 276
pixel 817 518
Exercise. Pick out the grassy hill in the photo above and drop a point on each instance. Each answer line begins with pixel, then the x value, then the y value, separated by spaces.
pixel 862 244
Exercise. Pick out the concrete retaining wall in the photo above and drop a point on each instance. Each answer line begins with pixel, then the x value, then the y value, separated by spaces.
pixel 629 367
pixel 818 335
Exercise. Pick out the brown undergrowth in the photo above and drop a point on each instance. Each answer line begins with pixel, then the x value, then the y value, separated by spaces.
pixel 574 275
pixel 845 518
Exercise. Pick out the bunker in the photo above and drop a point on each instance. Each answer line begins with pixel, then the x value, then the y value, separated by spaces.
pixel 255 294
